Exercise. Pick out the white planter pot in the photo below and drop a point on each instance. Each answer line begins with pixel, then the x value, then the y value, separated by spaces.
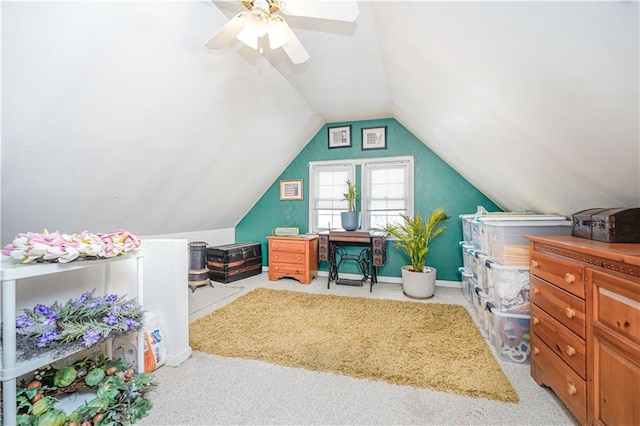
pixel 419 285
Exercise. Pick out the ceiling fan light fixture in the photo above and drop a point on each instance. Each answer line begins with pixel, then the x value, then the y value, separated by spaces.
pixel 277 33
pixel 254 28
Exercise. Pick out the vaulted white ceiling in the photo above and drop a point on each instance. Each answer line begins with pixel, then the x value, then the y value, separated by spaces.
pixel 114 114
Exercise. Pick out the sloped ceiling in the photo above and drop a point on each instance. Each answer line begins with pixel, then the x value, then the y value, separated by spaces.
pixel 114 115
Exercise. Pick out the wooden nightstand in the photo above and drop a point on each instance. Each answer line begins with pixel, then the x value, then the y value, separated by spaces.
pixel 295 257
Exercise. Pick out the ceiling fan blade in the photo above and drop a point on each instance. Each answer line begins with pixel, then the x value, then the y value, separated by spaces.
pixel 297 53
pixel 227 32
pixel 344 10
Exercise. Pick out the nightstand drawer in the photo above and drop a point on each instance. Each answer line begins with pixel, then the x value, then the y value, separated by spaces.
pixel 286 257
pixel 563 342
pixel 563 273
pixel 564 307
pixel 288 246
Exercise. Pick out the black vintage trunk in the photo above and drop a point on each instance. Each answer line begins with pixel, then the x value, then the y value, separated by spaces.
pixel 612 225
pixel 232 262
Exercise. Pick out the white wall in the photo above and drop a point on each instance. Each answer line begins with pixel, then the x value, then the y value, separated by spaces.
pixel 115 115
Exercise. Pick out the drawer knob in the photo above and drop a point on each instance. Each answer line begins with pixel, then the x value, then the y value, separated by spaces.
pixel 535 320
pixel 277 267
pixel 277 257
pixel 570 350
pixel 299 258
pixel 536 350
pixel 536 290
pixel 569 278
pixel 276 246
pixel 534 263
pixel 571 389
pixel 570 312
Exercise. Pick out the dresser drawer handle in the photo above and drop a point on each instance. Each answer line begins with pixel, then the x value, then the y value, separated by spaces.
pixel 275 246
pixel 299 249
pixel 299 258
pixel 571 389
pixel 570 312
pixel 276 257
pixel 534 263
pixel 536 290
pixel 277 267
pixel 536 350
pixel 535 320
pixel 569 278
pixel 570 350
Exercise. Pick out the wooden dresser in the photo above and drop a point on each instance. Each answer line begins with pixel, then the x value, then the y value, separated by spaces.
pixel 585 324
pixel 294 257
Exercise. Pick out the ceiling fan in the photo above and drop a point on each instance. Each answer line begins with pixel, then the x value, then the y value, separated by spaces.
pixel 261 19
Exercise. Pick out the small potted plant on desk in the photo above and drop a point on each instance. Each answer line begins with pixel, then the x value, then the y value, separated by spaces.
pixel 351 219
pixel 413 237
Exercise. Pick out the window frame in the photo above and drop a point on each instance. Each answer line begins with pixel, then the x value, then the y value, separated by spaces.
pixel 352 164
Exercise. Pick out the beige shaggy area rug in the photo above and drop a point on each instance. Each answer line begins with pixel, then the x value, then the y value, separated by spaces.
pixel 426 345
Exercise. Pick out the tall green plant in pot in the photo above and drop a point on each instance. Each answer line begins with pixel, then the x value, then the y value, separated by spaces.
pixel 350 220
pixel 413 236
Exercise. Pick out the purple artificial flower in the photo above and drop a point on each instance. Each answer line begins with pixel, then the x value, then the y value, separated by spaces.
pixel 49 321
pixel 129 323
pixel 129 306
pixel 46 338
pixel 111 320
pixel 115 309
pixel 90 338
pixel 111 298
pixel 80 301
pixel 23 321
pixel 94 304
pixel 41 309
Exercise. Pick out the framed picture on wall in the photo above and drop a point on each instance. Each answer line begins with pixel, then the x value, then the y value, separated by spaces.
pixel 339 137
pixel 374 138
pixel 291 189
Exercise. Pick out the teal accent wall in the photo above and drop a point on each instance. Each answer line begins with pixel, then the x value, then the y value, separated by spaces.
pixel 436 184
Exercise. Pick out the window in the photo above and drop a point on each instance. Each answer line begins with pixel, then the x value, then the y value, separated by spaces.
pixel 328 183
pixel 389 192
pixel 385 186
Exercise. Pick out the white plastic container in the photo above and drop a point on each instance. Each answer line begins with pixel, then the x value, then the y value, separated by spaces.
pixel 508 287
pixel 510 335
pixel 507 244
pixel 468 283
pixel 465 254
pixel 482 314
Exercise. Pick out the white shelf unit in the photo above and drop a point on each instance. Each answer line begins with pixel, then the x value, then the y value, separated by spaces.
pixel 10 367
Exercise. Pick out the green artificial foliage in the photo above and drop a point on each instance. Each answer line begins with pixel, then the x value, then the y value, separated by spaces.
pixel 414 236
pixel 351 195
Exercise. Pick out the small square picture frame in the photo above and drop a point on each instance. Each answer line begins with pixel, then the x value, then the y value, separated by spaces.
pixel 339 137
pixel 374 138
pixel 291 189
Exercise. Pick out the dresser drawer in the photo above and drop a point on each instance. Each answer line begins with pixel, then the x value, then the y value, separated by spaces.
pixel 617 304
pixel 288 246
pixel 549 370
pixel 563 273
pixel 560 340
pixel 287 257
pixel 562 306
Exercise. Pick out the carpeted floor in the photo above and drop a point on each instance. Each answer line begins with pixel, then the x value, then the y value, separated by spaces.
pixel 216 390
pixel 435 345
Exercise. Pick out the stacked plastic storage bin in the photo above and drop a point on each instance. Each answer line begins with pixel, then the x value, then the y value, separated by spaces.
pixel 501 270
pixel 473 271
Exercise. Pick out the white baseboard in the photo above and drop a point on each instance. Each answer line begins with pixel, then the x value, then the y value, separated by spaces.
pixel 174 360
pixel 384 279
